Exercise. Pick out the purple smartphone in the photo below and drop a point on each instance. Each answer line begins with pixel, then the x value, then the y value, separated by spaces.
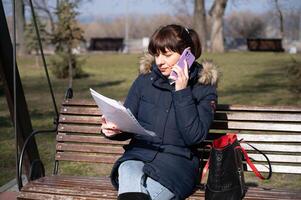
pixel 186 55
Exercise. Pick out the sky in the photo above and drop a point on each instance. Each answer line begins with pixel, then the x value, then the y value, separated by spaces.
pixel 118 7
pixel 109 9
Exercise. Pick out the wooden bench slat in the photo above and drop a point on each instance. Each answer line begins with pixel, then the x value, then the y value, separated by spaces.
pixel 79 128
pixel 85 182
pixel 276 138
pixel 80 110
pixel 259 137
pixel 68 156
pixel 70 178
pixel 79 102
pixel 38 196
pixel 286 159
pixel 256 193
pixel 267 195
pixel 259 126
pixel 264 116
pixel 274 147
pixel 274 190
pixel 89 148
pixel 288 169
pixel 82 191
pixel 273 108
pixel 74 181
pixel 74 119
pixel 61 137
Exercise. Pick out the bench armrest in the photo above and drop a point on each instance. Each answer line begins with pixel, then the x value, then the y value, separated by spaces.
pixel 20 161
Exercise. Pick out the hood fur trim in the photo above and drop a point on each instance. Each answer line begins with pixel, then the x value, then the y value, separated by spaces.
pixel 208 76
pixel 146 62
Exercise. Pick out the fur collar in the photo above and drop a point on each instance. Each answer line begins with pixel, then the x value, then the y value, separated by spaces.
pixel 209 75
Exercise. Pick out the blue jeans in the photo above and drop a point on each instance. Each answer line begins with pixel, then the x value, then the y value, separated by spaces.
pixel 132 179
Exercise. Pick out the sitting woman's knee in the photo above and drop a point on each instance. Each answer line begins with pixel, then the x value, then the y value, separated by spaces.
pixel 130 167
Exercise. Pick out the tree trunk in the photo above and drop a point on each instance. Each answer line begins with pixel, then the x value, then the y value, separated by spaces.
pixel 199 21
pixel 217 37
pixel 280 19
pixel 70 69
pixel 37 58
pixel 20 26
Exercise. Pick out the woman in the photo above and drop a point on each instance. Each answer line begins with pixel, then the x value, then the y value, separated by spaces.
pixel 165 166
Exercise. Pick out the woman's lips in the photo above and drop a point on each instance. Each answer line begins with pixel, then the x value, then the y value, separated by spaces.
pixel 163 69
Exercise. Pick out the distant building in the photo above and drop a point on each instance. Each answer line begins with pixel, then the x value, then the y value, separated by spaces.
pixel 118 44
pixel 106 44
pixel 265 44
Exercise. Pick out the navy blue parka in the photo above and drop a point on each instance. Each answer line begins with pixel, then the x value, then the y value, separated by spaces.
pixel 180 119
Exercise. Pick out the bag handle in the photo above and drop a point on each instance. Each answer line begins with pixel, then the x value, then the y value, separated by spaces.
pixel 206 167
pixel 251 164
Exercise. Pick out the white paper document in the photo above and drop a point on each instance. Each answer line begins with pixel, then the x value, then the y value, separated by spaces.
pixel 116 113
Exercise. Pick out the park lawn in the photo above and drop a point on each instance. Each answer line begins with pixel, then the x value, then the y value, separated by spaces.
pixel 247 78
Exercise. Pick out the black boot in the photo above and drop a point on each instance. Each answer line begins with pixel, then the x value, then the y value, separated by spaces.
pixel 133 196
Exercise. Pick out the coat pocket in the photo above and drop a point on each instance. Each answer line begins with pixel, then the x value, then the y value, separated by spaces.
pixel 146 112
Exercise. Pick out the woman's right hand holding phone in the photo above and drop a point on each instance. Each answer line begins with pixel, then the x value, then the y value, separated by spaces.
pixel 108 128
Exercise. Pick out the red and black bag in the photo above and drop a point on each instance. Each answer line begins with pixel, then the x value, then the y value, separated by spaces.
pixel 226 178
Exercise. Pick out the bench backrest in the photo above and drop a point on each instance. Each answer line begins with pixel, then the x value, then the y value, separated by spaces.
pixel 274 130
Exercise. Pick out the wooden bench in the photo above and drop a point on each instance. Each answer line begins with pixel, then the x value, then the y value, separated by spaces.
pixel 274 130
pixel 265 44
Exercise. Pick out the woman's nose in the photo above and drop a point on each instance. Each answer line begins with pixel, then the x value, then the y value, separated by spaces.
pixel 160 60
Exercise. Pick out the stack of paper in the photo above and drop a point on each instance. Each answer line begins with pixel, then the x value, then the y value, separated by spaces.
pixel 117 114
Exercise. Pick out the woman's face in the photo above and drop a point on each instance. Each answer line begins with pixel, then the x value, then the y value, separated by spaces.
pixel 165 61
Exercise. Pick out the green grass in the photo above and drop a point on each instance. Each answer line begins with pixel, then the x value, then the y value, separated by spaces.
pixel 248 78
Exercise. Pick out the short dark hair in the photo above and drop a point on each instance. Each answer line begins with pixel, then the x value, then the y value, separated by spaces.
pixel 175 38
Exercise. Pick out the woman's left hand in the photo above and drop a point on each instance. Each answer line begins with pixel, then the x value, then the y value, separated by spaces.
pixel 183 76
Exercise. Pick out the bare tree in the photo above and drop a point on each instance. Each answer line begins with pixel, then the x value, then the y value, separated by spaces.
pixel 199 21
pixel 245 25
pixel 181 11
pixel 292 26
pixel 47 8
pixel 284 17
pixel 141 26
pixel 280 14
pixel 217 38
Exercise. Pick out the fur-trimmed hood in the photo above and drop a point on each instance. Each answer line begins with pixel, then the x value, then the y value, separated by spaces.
pixel 209 75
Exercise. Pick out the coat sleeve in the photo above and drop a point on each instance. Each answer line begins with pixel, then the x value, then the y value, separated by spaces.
pixel 133 98
pixel 132 103
pixel 194 113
